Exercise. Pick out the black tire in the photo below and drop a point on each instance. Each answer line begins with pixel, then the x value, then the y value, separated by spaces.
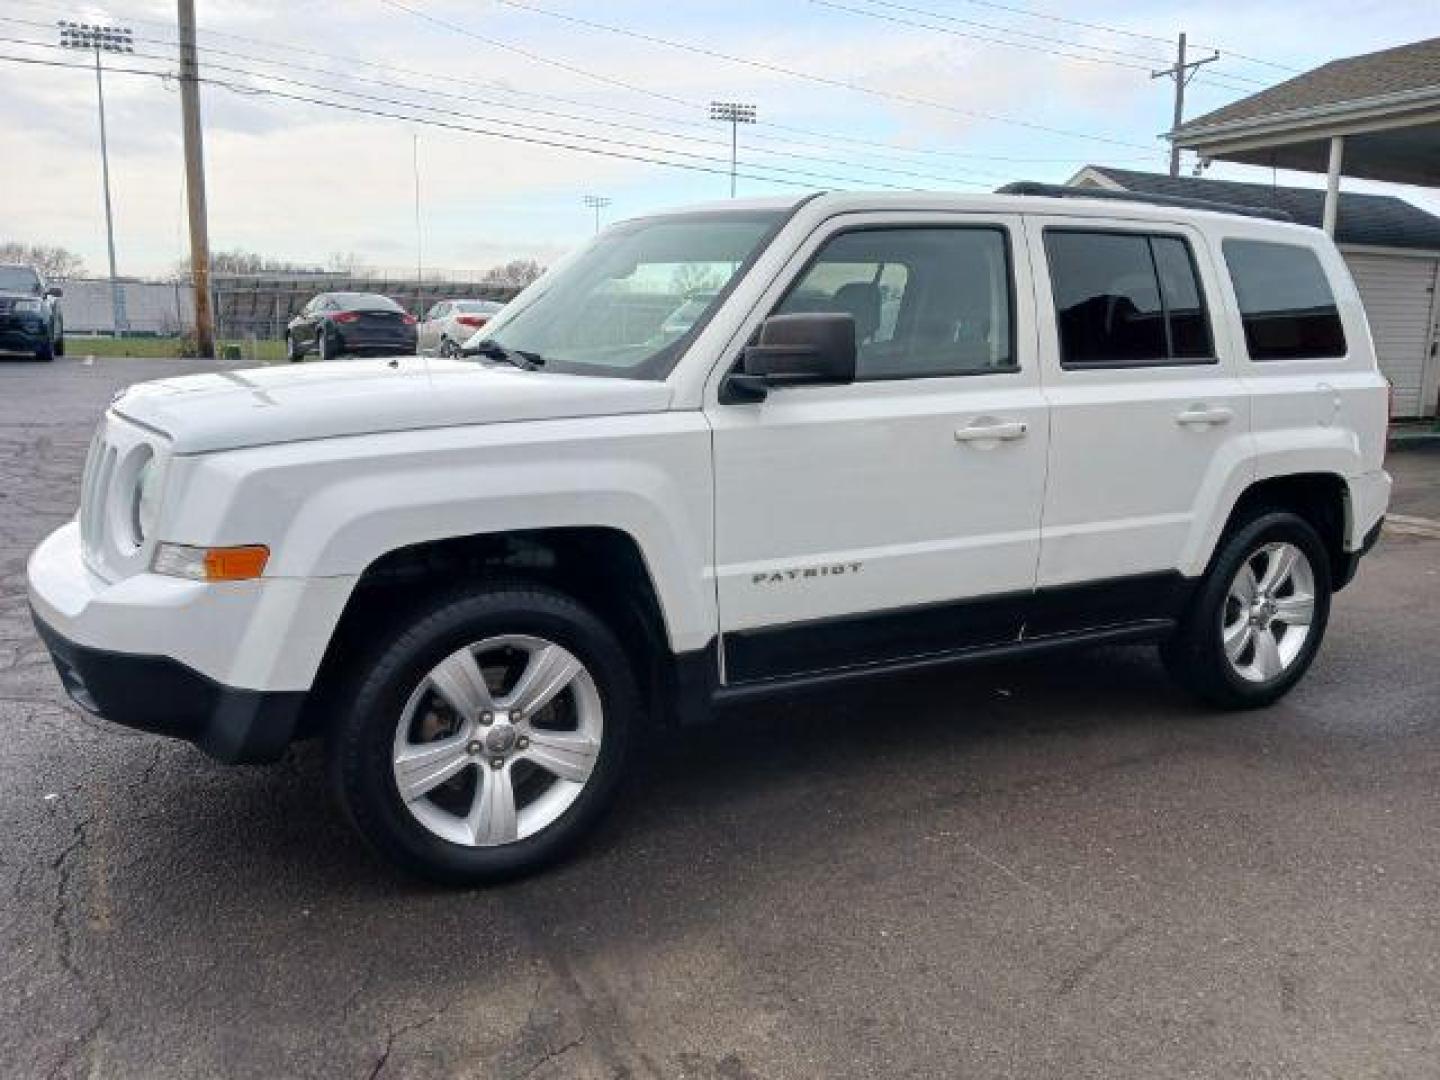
pixel 324 347
pixel 45 351
pixel 448 349
pixel 59 339
pixel 1195 656
pixel 293 352
pixel 360 741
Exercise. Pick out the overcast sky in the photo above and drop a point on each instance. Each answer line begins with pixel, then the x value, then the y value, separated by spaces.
pixel 301 181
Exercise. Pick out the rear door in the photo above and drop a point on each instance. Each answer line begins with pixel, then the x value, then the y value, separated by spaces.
pixel 1149 418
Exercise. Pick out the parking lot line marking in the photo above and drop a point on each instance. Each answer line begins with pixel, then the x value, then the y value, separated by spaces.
pixel 1403 525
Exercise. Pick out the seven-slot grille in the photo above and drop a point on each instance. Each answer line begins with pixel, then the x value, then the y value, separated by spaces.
pixel 94 488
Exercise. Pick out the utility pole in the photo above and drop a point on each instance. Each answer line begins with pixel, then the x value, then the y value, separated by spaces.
pixel 195 181
pixel 733 113
pixel 1182 73
pixel 116 39
pixel 596 203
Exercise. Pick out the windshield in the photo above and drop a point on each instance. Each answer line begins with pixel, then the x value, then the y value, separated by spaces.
pixel 18 279
pixel 629 302
pixel 477 307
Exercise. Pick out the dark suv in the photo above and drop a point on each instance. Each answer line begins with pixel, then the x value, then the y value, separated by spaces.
pixel 334 324
pixel 30 319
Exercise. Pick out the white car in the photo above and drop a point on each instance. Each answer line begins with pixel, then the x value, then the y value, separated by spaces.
pixel 450 323
pixel 482 581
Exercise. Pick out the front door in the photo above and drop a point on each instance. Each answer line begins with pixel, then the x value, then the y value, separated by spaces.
pixel 897 517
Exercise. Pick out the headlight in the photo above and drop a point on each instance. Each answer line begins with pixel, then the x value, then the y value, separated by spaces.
pixel 28 305
pixel 149 486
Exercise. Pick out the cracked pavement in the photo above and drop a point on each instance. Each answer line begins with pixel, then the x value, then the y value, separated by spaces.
pixel 1054 869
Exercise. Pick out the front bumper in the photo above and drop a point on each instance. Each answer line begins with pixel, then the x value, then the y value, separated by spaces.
pixel 17 336
pixel 163 696
pixel 227 666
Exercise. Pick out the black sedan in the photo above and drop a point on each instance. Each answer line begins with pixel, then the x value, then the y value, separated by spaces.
pixel 360 324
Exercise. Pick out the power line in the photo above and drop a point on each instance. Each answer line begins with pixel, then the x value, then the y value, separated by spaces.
pixel 422 106
pixel 831 138
pixel 1144 65
pixel 780 69
pixel 551 138
pixel 1121 31
pixel 959 178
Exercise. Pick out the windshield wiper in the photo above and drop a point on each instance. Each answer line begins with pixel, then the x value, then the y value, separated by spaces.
pixel 493 350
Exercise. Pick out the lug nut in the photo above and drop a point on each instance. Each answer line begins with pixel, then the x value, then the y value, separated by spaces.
pixel 486 719
pixel 473 748
pixel 523 743
pixel 497 763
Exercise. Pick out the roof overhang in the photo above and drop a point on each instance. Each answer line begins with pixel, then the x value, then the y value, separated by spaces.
pixel 1391 137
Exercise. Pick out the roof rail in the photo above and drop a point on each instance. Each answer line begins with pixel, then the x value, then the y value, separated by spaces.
pixel 1066 191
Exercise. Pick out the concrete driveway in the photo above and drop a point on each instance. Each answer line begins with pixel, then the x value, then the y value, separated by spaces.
pixel 1058 869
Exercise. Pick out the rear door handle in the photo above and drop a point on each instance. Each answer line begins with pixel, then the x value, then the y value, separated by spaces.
pixel 1202 414
pixel 992 431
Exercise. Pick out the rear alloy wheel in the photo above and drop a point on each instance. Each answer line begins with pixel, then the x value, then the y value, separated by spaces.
pixel 293 352
pixel 1259 616
pixel 487 737
pixel 1268 612
pixel 323 348
pixel 448 348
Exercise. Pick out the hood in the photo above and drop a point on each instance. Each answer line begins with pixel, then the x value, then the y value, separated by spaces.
pixel 228 410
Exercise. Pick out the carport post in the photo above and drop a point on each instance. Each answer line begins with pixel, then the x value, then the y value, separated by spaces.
pixel 1332 184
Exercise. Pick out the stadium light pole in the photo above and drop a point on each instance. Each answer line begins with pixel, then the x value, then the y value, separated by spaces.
pixel 113 39
pixel 597 203
pixel 733 113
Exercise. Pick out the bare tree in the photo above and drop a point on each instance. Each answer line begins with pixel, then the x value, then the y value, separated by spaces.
pixel 348 262
pixel 515 272
pixel 691 278
pixel 54 262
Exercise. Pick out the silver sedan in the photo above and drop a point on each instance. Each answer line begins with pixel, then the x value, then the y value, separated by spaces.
pixel 450 323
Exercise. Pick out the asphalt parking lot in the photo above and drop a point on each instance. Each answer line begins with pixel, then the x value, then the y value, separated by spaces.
pixel 1058 869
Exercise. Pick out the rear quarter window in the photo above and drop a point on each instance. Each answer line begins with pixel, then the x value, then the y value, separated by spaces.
pixel 1286 304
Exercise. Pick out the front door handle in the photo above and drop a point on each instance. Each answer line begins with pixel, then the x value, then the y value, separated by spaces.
pixel 1204 414
pixel 992 431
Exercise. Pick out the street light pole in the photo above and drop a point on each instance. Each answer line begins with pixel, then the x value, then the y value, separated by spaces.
pixel 597 203
pixel 733 113
pixel 100 39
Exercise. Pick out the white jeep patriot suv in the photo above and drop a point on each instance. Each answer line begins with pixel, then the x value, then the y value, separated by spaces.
pixel 891 433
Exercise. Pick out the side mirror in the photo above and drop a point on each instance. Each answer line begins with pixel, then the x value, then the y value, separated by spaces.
pixel 55 290
pixel 808 349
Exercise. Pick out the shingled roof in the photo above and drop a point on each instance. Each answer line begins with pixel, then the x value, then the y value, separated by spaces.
pixel 1378 220
pixel 1377 75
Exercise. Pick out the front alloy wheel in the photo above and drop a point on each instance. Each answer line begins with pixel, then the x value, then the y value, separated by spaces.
pixel 486 734
pixel 498 740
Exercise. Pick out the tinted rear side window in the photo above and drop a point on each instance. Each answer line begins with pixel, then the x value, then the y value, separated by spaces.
pixel 1126 299
pixel 1286 304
